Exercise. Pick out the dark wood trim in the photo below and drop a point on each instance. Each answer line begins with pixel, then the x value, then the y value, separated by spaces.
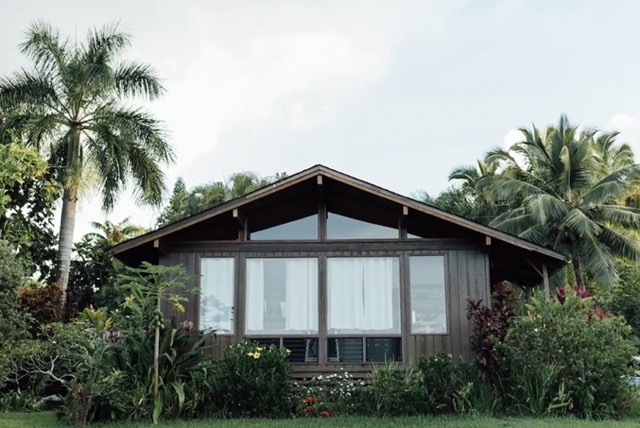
pixel 323 354
pixel 330 246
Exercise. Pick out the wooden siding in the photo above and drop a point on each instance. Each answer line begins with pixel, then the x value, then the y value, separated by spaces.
pixel 466 275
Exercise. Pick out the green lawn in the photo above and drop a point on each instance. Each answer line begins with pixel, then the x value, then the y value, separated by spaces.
pixel 48 420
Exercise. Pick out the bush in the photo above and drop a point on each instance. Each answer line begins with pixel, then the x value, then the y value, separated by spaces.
pixel 442 380
pixel 393 390
pixel 254 381
pixel 13 323
pixel 335 394
pixel 42 303
pixel 567 355
pixel 490 326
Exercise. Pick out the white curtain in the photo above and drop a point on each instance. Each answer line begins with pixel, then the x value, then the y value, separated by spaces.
pixel 301 306
pixel 360 294
pixel 254 318
pixel 378 294
pixel 216 294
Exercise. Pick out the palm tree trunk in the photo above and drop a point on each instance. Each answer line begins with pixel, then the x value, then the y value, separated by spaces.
pixel 65 243
pixel 575 261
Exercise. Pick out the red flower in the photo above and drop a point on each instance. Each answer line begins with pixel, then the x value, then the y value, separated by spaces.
pixel 309 400
pixel 324 414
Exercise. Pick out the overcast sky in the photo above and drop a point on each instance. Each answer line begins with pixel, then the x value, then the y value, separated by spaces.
pixel 396 92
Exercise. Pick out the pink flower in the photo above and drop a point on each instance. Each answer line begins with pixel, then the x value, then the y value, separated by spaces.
pixel 449 356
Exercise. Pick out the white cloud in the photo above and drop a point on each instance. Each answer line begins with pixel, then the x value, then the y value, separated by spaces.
pixel 512 137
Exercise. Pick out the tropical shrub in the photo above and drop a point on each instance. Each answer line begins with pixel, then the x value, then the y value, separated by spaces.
pixel 42 303
pixel 393 390
pixel 442 380
pixel 490 326
pixel 567 355
pixel 12 322
pixel 136 364
pixel 254 381
pixel 336 394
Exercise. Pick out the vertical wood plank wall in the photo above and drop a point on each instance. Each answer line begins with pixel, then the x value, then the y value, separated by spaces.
pixel 467 276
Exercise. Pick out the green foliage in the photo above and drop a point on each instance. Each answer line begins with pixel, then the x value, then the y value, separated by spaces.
pixel 42 303
pixel 135 363
pixel 254 381
pixel 12 322
pixel 442 380
pixel 337 393
pixel 33 369
pixel 184 203
pixel 624 297
pixel 26 206
pixel 394 390
pixel 567 355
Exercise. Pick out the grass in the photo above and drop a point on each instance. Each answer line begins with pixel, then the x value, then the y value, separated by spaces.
pixel 48 420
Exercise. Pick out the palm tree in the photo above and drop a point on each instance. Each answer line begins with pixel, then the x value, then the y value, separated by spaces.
pixel 564 201
pixel 73 107
pixel 112 233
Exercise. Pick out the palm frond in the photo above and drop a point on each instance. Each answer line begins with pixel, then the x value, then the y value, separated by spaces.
pixel 137 80
pixel 580 225
pixel 45 47
pixel 596 260
pixel 546 208
pixel 620 243
pixel 617 215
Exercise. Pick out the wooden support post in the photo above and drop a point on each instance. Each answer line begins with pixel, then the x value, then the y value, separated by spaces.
pixel 487 241
pixel 242 221
pixel 402 222
pixel 158 245
pixel 545 281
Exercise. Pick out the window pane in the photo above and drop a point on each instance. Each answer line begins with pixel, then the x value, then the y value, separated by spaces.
pixel 428 302
pixel 304 228
pixel 341 227
pixel 345 349
pixel 363 295
pixel 282 296
pixel 383 349
pixel 302 350
pixel 216 294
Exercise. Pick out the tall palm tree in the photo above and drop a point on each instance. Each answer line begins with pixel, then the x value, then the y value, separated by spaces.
pixel 74 107
pixel 564 201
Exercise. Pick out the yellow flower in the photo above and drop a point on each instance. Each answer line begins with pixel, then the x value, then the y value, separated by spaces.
pixel 256 355
pixel 178 308
pixel 259 349
pixel 288 351
pixel 251 354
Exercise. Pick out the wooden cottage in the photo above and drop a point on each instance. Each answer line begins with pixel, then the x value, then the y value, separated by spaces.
pixel 341 272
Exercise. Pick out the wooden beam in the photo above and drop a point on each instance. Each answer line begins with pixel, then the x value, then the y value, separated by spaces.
pixel 319 180
pixel 405 210
pixel 158 245
pixel 242 221
pixel 487 241
pixel 545 281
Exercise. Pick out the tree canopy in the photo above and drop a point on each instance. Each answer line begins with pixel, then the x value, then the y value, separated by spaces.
pixel 73 106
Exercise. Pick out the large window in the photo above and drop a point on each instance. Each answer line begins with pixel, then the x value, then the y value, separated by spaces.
pixel 363 295
pixel 428 302
pixel 341 227
pixel 216 294
pixel 303 228
pixel 282 296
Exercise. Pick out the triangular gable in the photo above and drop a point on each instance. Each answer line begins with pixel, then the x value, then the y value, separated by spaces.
pixel 297 193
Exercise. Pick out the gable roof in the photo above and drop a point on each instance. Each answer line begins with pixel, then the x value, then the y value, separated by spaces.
pixel 551 257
